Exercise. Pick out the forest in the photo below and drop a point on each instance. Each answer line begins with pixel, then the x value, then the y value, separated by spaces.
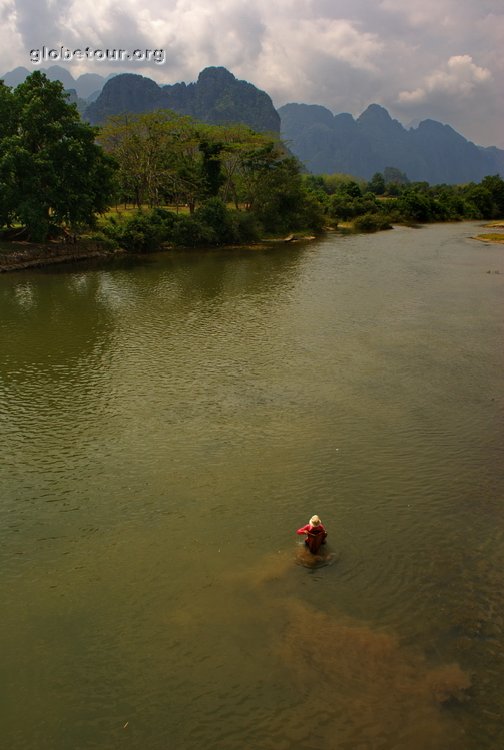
pixel 140 182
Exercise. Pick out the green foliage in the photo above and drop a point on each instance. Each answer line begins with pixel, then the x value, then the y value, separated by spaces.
pixel 345 206
pixel 392 175
pixel 416 206
pixel 191 231
pixel 106 242
pixel 141 232
pixel 246 227
pixel 214 215
pixel 487 198
pixel 376 184
pixel 158 158
pixel 211 224
pixel 372 223
pixel 165 156
pixel 53 174
pixel 416 202
pixel 211 166
pixel 51 171
pixel 336 183
pixel 495 186
pixel 352 189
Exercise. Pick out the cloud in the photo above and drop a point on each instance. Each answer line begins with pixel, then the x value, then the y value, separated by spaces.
pixel 424 58
pixel 459 77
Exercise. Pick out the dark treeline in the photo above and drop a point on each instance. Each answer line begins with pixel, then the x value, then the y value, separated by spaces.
pixel 52 172
pixel 234 184
pixel 192 183
pixel 58 174
pixel 390 198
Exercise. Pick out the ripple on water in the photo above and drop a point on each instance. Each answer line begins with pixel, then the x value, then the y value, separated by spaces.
pixel 164 427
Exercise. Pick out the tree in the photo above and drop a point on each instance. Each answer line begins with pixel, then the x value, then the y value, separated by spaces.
pixel 351 188
pixel 394 176
pixel 52 172
pixel 481 199
pixel 211 166
pixel 7 111
pixel 163 157
pixel 272 186
pixel 376 184
pixel 239 142
pixel 7 129
pixel 416 205
pixel 495 186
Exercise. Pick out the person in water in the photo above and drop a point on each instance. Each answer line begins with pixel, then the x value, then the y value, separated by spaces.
pixel 315 534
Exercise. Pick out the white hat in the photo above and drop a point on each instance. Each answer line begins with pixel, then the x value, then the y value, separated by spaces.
pixel 315 521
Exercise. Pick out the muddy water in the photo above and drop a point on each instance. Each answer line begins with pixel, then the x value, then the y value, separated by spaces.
pixel 164 429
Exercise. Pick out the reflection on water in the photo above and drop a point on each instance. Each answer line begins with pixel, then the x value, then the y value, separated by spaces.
pixel 163 429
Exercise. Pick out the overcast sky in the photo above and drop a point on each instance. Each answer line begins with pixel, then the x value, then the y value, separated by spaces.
pixel 439 59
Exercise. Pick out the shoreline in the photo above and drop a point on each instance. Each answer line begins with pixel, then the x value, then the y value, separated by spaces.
pixel 26 255
pixel 23 255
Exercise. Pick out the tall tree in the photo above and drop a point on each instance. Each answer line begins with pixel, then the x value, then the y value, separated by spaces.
pixel 159 157
pixel 53 172
pixel 7 129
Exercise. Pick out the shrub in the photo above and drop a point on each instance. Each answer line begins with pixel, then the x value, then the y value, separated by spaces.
pixel 245 226
pixel 372 223
pixel 214 215
pixel 141 232
pixel 105 241
pixel 190 231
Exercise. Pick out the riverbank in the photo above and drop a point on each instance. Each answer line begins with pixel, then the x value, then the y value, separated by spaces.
pixel 20 255
pixel 16 256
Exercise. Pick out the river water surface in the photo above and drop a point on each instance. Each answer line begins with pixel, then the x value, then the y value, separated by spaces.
pixel 164 429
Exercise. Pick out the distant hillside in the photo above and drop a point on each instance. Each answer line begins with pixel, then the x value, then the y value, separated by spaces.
pixel 432 152
pixel 217 97
pixel 85 86
pixel 323 142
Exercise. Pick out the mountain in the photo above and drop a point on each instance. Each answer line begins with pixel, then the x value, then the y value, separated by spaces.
pixel 324 142
pixel 495 156
pixel 217 97
pixel 84 86
pixel 14 77
pixel 88 84
pixel 431 152
pixel 73 98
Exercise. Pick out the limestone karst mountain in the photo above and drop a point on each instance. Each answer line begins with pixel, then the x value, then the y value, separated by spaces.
pixel 217 97
pixel 431 152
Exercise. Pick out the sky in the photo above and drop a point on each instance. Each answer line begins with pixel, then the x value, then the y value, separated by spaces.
pixel 420 59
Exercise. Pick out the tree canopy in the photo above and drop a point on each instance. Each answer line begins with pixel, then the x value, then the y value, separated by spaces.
pixel 52 173
pixel 58 173
pixel 167 158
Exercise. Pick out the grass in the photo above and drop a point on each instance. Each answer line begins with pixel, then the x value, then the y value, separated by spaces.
pixel 129 208
pixel 491 237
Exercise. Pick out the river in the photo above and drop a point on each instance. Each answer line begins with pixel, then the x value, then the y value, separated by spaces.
pixel 165 427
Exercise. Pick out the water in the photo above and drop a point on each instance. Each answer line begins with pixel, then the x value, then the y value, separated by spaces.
pixel 164 429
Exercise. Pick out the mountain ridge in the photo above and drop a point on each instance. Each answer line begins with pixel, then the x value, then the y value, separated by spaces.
pixel 85 85
pixel 217 97
pixel 432 152
pixel 324 142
